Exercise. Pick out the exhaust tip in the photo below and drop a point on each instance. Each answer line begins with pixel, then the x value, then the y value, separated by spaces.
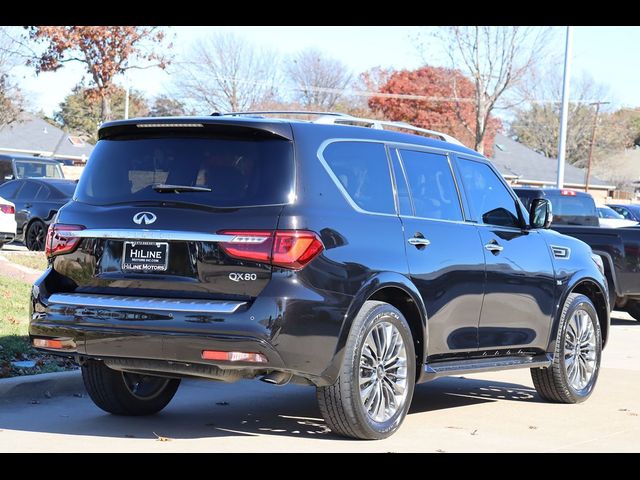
pixel 277 378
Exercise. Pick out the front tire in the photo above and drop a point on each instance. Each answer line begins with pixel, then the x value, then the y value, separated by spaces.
pixel 35 236
pixel 633 309
pixel 576 359
pixel 123 393
pixel 373 392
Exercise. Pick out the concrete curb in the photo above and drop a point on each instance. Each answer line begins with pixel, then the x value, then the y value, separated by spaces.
pixel 34 387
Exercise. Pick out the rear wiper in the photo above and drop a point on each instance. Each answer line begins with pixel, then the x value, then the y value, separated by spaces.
pixel 163 188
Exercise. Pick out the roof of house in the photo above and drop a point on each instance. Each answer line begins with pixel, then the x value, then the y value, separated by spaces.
pixel 514 159
pixel 35 136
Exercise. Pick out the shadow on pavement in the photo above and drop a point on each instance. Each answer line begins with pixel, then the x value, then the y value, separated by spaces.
pixel 209 410
pixel 623 321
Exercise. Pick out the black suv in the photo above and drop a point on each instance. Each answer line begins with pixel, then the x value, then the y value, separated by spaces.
pixel 354 259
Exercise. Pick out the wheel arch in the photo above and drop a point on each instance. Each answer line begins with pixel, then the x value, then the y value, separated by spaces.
pixel 592 289
pixel 398 291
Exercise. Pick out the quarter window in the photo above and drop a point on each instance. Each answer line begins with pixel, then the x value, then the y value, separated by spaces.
pixel 489 198
pixel 432 187
pixel 363 170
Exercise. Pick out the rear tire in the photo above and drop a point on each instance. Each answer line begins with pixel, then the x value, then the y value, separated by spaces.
pixel 35 236
pixel 373 391
pixel 576 358
pixel 633 309
pixel 126 393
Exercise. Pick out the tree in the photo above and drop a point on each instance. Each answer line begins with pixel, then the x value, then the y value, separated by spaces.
pixel 80 112
pixel 495 59
pixel 537 125
pixel 11 99
pixel 105 51
pixel 429 91
pixel 318 80
pixel 226 73
pixel 164 106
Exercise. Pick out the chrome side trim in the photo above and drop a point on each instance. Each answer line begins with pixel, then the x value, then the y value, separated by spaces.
pixel 144 303
pixel 145 234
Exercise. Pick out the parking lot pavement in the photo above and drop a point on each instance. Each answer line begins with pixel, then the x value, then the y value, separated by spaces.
pixel 487 412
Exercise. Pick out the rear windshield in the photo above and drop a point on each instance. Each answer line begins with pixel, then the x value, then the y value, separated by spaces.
pixel 239 173
pixel 35 169
pixel 573 210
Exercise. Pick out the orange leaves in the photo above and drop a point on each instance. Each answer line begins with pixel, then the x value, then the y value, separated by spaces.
pixel 447 102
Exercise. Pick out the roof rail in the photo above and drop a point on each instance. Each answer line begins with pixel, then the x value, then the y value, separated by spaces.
pixel 287 112
pixel 380 124
pixel 337 118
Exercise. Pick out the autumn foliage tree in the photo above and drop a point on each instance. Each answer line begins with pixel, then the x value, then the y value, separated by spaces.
pixel 434 98
pixel 105 51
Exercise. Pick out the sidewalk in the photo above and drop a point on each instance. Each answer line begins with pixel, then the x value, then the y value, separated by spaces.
pixel 18 272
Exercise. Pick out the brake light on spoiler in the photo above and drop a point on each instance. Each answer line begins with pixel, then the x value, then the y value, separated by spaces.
pixel 568 193
pixel 292 249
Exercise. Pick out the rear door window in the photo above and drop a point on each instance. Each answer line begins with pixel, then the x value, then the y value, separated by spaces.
pixel 433 190
pixel 29 191
pixel 239 172
pixel 362 168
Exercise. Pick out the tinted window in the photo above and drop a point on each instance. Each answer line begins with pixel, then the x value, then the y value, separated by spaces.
pixel 489 198
pixel 238 172
pixel 404 200
pixel 433 190
pixel 44 193
pixel 35 169
pixel 573 209
pixel 363 170
pixel 29 191
pixel 624 212
pixel 8 190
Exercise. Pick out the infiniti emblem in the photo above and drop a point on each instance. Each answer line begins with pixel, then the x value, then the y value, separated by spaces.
pixel 144 218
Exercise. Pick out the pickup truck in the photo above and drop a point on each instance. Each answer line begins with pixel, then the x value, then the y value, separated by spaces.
pixel 575 214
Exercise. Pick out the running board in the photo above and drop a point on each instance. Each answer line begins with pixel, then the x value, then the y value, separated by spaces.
pixel 477 365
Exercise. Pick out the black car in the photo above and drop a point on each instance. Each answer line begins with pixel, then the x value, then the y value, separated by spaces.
pixel 575 214
pixel 25 166
pixel 357 260
pixel 37 202
pixel 628 211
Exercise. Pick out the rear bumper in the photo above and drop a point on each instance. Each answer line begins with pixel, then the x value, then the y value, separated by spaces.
pixel 298 336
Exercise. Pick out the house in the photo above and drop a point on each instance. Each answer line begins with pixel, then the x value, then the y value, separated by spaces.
pixel 34 136
pixel 522 166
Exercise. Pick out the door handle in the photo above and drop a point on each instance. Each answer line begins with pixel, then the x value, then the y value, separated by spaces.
pixel 419 241
pixel 494 248
pixel 27 205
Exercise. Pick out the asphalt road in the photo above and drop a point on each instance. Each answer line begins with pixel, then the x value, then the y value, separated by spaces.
pixel 491 412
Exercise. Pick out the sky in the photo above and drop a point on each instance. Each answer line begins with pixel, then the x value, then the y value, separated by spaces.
pixel 607 54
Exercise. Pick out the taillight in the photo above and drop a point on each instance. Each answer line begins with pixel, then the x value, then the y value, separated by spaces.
pixel 7 209
pixel 57 243
pixel 291 249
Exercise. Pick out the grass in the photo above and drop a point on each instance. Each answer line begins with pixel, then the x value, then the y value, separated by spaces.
pixel 35 260
pixel 14 330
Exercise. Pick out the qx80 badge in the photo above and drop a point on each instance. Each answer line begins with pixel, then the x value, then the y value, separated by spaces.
pixel 238 277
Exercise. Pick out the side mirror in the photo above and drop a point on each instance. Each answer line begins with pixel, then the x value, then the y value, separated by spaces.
pixel 540 215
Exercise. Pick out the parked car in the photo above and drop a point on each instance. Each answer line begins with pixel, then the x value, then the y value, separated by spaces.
pixel 7 222
pixel 36 203
pixel 357 260
pixel 630 212
pixel 608 217
pixel 23 166
pixel 574 215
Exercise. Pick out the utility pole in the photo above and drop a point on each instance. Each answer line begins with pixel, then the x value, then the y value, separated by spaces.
pixel 593 139
pixel 126 98
pixel 564 112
